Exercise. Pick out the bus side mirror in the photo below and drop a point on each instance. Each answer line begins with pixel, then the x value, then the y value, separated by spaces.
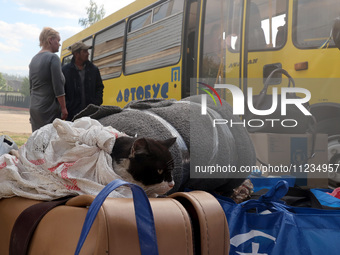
pixel 336 32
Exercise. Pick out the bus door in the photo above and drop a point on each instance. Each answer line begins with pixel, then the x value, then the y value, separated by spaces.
pixel 295 36
pixel 190 45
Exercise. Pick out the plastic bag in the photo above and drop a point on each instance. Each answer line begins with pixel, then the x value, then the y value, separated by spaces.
pixel 7 144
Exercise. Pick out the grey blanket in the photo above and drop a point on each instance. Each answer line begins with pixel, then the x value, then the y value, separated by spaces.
pixel 198 143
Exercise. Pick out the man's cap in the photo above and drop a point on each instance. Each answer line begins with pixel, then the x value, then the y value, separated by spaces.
pixel 79 46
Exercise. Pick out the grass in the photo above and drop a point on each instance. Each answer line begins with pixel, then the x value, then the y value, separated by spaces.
pixel 18 138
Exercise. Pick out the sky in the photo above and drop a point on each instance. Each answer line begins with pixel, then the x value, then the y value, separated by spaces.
pixel 21 22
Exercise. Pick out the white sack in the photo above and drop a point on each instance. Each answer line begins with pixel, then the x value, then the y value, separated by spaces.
pixel 60 159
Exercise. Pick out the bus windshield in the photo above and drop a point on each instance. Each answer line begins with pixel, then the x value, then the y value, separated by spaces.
pixel 313 21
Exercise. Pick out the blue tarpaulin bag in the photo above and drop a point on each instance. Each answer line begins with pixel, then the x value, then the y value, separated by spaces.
pixel 268 226
pixel 326 199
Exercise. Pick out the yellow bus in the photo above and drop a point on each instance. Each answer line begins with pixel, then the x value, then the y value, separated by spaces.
pixel 153 48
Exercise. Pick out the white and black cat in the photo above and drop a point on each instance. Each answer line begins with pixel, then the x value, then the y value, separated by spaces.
pixel 146 162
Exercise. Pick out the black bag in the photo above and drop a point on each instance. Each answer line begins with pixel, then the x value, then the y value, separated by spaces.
pixel 264 102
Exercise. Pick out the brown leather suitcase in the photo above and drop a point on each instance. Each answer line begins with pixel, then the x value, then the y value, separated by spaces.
pixel 185 223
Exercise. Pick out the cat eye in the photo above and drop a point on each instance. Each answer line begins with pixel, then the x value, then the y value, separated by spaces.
pixel 160 171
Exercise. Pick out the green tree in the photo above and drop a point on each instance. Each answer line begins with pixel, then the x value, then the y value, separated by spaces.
pixel 94 14
pixel 25 88
pixel 3 83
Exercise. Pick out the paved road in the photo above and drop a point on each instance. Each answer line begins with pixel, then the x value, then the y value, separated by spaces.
pixel 15 121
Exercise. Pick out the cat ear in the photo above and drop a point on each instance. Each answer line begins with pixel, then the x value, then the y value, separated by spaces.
pixel 169 142
pixel 140 146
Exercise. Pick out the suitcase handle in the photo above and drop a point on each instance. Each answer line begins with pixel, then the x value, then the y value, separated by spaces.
pixel 143 212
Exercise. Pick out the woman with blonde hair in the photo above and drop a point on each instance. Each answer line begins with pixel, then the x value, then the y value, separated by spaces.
pixel 47 82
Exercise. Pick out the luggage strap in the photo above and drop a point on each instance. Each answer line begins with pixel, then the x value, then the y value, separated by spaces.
pixel 27 222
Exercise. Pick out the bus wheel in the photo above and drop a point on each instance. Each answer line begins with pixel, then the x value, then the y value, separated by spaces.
pixel 332 128
pixel 329 126
pixel 334 149
pixel 334 160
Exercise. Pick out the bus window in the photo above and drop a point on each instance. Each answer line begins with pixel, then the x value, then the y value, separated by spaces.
pixel 234 25
pixel 158 44
pixel 214 39
pixel 167 9
pixel 255 36
pixel 141 21
pixel 273 22
pixel 67 60
pixel 89 42
pixel 267 24
pixel 108 51
pixel 313 20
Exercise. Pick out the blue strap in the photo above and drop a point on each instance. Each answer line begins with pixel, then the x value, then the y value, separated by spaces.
pixel 276 193
pixel 143 212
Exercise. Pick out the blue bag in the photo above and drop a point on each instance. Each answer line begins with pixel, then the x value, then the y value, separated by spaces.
pixel 268 226
pixel 326 199
pixel 143 212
